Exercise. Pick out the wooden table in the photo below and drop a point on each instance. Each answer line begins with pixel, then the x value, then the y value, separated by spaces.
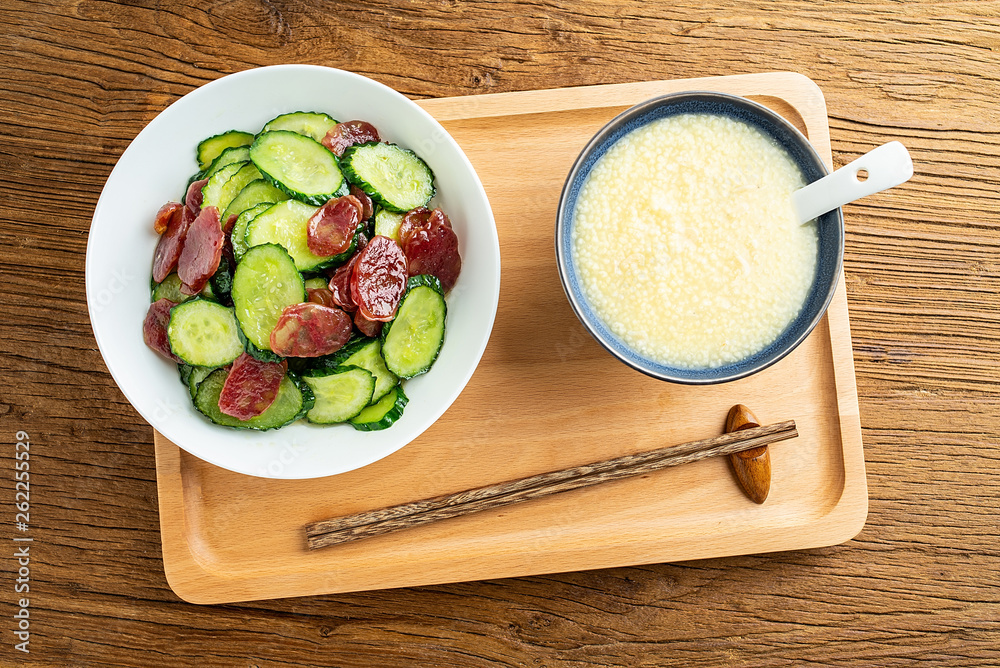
pixel 921 581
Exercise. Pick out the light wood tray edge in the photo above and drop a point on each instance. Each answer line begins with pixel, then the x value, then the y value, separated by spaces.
pixel 198 583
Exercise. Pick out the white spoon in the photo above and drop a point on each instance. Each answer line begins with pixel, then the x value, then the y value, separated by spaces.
pixel 887 166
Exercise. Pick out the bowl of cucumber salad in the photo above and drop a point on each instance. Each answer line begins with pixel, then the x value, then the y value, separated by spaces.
pixel 292 272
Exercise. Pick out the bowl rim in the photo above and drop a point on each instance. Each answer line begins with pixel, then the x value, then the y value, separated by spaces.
pixel 563 261
pixel 490 277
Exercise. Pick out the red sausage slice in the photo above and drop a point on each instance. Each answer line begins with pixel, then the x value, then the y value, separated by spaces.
pixel 194 196
pixel 439 216
pixel 349 133
pixel 310 330
pixel 320 296
pixel 379 279
pixel 340 286
pixel 202 251
pixel 433 249
pixel 227 243
pixel 362 241
pixel 367 327
pixel 165 215
pixel 251 387
pixel 412 221
pixel 168 248
pixel 367 207
pixel 331 229
pixel 154 328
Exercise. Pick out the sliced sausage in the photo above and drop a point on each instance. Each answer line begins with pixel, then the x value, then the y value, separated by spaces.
pixel 202 251
pixel 320 296
pixel 340 286
pixel 310 330
pixel 171 243
pixel 349 133
pixel 154 328
pixel 433 249
pixel 378 280
pixel 367 207
pixel 413 220
pixel 164 216
pixel 194 196
pixel 251 387
pixel 367 327
pixel 332 228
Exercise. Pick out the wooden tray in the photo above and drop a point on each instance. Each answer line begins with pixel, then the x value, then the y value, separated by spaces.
pixel 545 396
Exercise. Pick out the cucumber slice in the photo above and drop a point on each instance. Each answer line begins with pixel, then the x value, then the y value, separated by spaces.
pixel 185 371
pixel 203 333
pixel 340 394
pixel 228 157
pixel 309 123
pixel 262 355
pixel 170 288
pixel 234 186
pixel 299 165
pixel 253 193
pixel 239 231
pixel 387 224
pixel 211 191
pixel 197 374
pixel 396 178
pixel 316 283
pixel 367 354
pixel 383 413
pixel 211 148
pixel 292 402
pixel 264 284
pixel 411 342
pixel 220 285
pixel 286 224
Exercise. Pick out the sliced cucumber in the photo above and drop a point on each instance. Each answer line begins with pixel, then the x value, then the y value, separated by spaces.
pixel 253 193
pixel 383 413
pixel 198 374
pixel 203 333
pixel 247 174
pixel 264 284
pixel 286 224
pixel 316 283
pixel 228 157
pixel 170 288
pixel 211 192
pixel 367 354
pixel 396 178
pixel 239 230
pixel 299 165
pixel 262 355
pixel 220 285
pixel 292 402
pixel 387 223
pixel 185 371
pixel 340 394
pixel 411 342
pixel 211 148
pixel 309 123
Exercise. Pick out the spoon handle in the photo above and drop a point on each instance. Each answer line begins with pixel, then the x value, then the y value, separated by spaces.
pixel 887 166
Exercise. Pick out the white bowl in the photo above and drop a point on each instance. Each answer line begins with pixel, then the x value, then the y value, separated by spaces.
pixel 154 169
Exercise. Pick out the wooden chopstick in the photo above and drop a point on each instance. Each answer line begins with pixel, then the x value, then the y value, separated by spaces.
pixel 394 518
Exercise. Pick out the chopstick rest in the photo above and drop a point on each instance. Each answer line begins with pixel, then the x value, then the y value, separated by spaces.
pixel 752 467
pixel 394 518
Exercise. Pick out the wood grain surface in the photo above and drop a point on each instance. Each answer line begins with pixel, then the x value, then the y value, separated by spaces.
pixel 220 545
pixel 345 528
pixel 919 584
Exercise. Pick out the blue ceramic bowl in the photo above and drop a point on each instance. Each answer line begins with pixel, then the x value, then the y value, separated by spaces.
pixel 831 231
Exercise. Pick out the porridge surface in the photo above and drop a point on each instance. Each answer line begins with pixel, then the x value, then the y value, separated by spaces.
pixel 686 243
